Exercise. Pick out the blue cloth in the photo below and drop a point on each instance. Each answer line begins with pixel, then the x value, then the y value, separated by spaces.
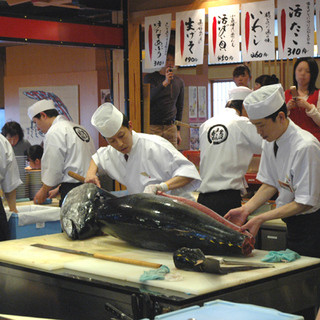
pixel 281 256
pixel 155 274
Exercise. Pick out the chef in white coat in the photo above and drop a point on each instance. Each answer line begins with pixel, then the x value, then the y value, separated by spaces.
pixel 290 166
pixel 9 181
pixel 227 144
pixel 141 162
pixel 67 147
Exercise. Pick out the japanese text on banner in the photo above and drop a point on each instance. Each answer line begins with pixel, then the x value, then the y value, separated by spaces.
pixel 224 34
pixel 295 28
pixel 157 37
pixel 257 25
pixel 190 36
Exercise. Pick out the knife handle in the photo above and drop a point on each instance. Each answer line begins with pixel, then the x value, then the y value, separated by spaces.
pixel 127 260
pixel 76 176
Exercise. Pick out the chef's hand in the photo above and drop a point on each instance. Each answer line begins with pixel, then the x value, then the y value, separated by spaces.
pixel 237 216
pixel 153 188
pixel 54 192
pixel 41 195
pixel 92 179
pixel 179 139
pixel 252 225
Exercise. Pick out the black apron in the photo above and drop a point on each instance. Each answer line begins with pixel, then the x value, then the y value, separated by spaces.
pixel 4 226
pixel 303 234
pixel 65 187
pixel 221 201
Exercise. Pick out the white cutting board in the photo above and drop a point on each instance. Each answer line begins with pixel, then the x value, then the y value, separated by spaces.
pixel 190 282
pixel 20 252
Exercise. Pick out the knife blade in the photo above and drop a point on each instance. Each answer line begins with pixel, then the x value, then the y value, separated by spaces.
pixel 245 263
pixel 99 256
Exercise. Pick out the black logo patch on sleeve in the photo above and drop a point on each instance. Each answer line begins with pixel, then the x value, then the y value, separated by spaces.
pixel 217 134
pixel 82 134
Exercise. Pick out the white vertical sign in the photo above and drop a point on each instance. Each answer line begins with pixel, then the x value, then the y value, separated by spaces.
pixel 295 28
pixel 190 36
pixel 224 34
pixel 156 39
pixel 257 35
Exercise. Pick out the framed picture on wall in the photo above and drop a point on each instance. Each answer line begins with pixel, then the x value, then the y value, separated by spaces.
pixel 65 98
pixel 202 102
pixel 193 102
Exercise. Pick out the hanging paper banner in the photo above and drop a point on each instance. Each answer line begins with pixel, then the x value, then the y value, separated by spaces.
pixel 257 25
pixel 318 23
pixel 156 39
pixel 224 37
pixel 190 36
pixel 295 28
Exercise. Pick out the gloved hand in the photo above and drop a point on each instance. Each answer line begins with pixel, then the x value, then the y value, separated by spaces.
pixel 153 188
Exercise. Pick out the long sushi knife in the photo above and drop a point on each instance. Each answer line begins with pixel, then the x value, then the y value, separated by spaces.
pixel 99 256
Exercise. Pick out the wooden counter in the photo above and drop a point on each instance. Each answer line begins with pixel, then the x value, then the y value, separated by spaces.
pixel 42 283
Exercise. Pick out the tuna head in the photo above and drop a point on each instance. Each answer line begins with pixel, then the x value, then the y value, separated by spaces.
pixel 78 212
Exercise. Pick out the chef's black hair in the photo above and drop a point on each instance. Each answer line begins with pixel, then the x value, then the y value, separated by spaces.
pixel 266 79
pixel 125 121
pixel 12 128
pixel 235 104
pixel 275 114
pixel 50 113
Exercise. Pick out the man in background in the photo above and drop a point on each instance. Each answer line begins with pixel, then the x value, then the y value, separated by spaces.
pixel 166 101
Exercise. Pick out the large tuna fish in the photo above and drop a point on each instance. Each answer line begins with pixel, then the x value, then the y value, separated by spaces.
pixel 151 221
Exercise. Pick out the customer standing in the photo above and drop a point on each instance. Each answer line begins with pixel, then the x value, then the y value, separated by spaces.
pixel 304 108
pixel 227 144
pixel 14 133
pixel 67 147
pixel 242 76
pixel 9 181
pixel 290 165
pixel 166 101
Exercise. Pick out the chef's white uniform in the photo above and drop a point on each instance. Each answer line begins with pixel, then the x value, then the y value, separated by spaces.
pixel 227 144
pixel 152 160
pixel 67 147
pixel 295 172
pixel 9 180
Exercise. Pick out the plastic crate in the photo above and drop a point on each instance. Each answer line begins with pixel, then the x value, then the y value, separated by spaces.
pixel 39 227
pixel 193 156
pixel 224 310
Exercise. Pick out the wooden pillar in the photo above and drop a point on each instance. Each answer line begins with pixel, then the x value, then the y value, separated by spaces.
pixel 134 75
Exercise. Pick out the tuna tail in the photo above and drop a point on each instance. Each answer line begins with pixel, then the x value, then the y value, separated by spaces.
pixel 249 241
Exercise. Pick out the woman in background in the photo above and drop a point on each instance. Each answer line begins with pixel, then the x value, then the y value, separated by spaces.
pixel 304 107
pixel 14 134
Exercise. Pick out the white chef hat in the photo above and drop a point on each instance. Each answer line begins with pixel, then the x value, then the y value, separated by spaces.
pixel 264 101
pixel 107 119
pixel 238 93
pixel 40 106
